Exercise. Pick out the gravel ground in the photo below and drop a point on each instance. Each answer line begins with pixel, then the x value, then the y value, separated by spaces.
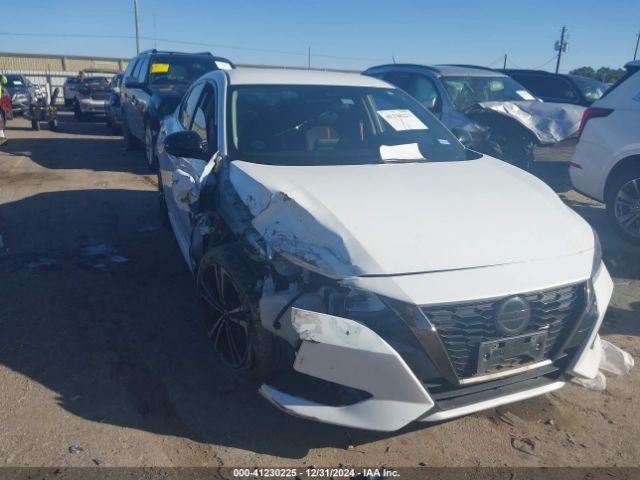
pixel 102 348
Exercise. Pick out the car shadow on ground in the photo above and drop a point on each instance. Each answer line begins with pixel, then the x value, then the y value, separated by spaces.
pixel 118 335
pixel 81 153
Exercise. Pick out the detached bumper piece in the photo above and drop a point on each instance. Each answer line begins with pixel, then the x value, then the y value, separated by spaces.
pixel 345 352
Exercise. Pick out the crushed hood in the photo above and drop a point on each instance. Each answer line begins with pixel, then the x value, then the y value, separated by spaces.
pixel 549 122
pixel 386 219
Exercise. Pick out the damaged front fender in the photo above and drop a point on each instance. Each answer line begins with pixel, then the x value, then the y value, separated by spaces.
pixel 348 353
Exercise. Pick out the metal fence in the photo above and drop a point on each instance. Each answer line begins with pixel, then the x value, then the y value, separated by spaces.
pixel 50 71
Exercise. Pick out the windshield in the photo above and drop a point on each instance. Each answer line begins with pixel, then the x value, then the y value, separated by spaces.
pixel 331 125
pixel 15 81
pixel 467 91
pixel 590 88
pixel 179 68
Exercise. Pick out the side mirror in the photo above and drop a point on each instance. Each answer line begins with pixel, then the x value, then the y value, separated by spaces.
pixel 186 144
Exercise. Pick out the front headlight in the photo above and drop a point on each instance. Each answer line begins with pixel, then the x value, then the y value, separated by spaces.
pixel 597 255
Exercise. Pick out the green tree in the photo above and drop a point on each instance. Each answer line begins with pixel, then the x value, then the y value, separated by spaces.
pixel 584 72
pixel 604 74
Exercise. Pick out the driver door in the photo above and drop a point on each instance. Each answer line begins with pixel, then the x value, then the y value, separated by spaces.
pixel 182 175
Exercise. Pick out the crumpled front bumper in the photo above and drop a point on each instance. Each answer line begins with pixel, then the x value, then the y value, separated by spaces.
pixel 348 353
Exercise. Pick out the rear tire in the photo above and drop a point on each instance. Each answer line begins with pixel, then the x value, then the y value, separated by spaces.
pixel 623 204
pixel 264 353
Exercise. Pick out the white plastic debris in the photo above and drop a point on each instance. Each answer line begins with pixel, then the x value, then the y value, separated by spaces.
pixel 599 382
pixel 612 360
pixel 615 360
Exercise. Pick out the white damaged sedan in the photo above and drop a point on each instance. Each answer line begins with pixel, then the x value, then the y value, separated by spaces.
pixel 333 225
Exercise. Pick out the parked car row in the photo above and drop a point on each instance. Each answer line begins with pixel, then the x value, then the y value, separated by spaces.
pixel 359 228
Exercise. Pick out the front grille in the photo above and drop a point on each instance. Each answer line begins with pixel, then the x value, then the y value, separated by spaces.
pixel 463 326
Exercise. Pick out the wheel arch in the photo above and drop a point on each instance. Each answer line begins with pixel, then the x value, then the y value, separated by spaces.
pixel 620 167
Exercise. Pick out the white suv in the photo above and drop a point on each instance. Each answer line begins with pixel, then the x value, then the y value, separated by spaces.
pixel 333 224
pixel 606 163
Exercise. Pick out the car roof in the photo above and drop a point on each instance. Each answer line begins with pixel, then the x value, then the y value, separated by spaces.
pixel 446 70
pixel 279 76
pixel 529 71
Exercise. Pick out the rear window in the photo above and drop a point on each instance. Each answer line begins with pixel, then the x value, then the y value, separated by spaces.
pixel 167 69
pixel 548 87
pixel 591 89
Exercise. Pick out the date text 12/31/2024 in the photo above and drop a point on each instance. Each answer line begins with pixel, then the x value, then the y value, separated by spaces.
pixel 344 472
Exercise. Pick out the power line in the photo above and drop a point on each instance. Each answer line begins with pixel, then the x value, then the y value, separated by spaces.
pixel 545 63
pixel 513 63
pixel 499 59
pixel 198 44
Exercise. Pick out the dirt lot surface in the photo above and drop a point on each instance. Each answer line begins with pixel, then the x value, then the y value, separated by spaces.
pixel 104 360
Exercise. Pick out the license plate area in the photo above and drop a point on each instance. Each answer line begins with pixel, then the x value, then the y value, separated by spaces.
pixel 504 353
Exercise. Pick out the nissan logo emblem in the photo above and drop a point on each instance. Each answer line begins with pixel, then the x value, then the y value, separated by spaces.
pixel 512 316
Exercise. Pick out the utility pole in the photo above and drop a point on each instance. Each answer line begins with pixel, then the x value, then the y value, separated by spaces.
pixel 504 64
pixel 135 11
pixel 635 55
pixel 561 47
pixel 155 42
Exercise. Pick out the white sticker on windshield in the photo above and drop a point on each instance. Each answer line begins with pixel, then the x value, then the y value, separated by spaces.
pixel 525 95
pixel 443 141
pixel 17 82
pixel 402 120
pixel 407 151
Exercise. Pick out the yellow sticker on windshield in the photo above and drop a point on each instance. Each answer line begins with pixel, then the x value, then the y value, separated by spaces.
pixel 160 68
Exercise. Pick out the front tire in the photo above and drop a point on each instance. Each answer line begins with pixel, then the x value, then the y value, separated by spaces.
pixel 623 204
pixel 229 287
pixel 149 147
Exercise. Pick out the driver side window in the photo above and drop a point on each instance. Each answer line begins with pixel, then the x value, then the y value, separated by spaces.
pixel 204 120
pixel 418 86
pixel 188 106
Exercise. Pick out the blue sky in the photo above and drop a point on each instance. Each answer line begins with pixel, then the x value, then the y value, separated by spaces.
pixel 341 33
